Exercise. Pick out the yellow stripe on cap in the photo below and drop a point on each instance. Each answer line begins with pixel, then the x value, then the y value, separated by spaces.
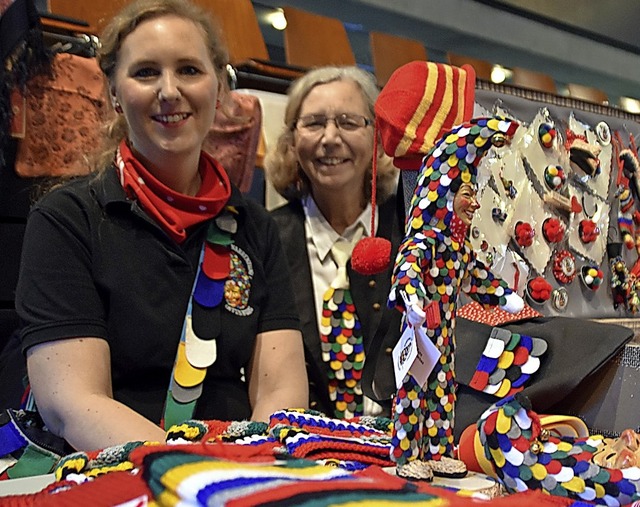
pixel 443 109
pixel 418 116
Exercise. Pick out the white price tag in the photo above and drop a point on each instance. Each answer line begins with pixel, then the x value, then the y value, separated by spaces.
pixel 403 354
pixel 426 359
pixel 416 353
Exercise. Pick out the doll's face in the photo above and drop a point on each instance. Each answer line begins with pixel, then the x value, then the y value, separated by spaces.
pixel 465 203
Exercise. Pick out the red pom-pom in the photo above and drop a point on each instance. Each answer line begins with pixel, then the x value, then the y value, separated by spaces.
pixel 371 256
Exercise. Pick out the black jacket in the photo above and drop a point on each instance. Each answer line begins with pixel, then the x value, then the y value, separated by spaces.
pixel 380 325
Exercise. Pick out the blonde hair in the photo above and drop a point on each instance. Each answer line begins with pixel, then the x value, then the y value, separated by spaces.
pixel 125 22
pixel 281 165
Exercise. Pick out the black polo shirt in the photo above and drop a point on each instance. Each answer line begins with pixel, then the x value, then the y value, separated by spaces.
pixel 94 264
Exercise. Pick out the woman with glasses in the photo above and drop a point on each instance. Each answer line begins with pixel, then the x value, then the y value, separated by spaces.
pixel 322 164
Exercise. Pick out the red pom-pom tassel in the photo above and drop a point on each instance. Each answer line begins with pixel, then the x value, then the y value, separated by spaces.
pixel 371 256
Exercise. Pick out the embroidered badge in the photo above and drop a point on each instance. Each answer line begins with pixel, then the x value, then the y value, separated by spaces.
pixel 237 287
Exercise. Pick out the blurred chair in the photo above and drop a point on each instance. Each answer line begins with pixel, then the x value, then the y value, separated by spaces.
pixel 392 51
pixel 483 68
pixel 533 80
pixel 588 93
pixel 313 40
pixel 248 52
pixel 96 13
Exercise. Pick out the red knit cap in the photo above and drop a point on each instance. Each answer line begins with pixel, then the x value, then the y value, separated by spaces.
pixel 420 102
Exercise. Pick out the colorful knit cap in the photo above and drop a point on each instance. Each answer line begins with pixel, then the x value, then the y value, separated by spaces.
pixel 420 102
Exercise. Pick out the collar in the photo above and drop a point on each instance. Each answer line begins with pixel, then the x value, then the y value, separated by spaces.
pixel 458 229
pixel 109 192
pixel 323 235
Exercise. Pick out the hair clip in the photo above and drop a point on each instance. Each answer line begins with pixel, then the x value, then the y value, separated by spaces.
pixel 588 231
pixel 603 132
pixel 553 230
pixel 564 266
pixel 584 209
pixel 538 290
pixel 498 215
pixel 524 234
pixel 547 135
pixel 592 277
pixel 554 177
pixel 560 299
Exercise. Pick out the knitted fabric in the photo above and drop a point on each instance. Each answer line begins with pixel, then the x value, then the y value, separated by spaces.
pixel 26 447
pixel 195 480
pixel 420 102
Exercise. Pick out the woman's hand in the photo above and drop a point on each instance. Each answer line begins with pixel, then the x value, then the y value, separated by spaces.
pixel 277 374
pixel 71 382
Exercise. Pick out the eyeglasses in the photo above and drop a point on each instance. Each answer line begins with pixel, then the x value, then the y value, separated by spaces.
pixel 346 122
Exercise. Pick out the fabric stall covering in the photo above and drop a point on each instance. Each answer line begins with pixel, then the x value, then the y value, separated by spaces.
pixel 576 350
pixel 64 113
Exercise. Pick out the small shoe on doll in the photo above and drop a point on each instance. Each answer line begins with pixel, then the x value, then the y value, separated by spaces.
pixel 415 470
pixel 448 467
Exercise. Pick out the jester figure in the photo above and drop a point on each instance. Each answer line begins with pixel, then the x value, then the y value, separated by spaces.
pixel 434 262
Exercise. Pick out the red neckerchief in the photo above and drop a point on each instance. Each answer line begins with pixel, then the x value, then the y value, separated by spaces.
pixel 458 228
pixel 173 211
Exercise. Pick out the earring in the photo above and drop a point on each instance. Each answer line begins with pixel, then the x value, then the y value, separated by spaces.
pixel 116 105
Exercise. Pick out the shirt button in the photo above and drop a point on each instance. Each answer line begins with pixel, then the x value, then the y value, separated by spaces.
pixel 372 283
pixel 376 307
pixel 313 404
pixel 388 351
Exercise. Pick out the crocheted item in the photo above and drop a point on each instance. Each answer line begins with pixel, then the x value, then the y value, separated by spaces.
pixel 350 444
pixel 64 114
pixel 27 448
pixel 415 471
pixel 343 349
pixel 23 55
pixel 93 464
pixel 420 102
pixel 526 457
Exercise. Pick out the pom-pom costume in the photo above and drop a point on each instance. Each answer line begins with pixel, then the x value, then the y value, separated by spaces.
pixel 434 262
pixel 526 456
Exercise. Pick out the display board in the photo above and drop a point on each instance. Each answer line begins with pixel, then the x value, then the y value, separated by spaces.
pixel 560 202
